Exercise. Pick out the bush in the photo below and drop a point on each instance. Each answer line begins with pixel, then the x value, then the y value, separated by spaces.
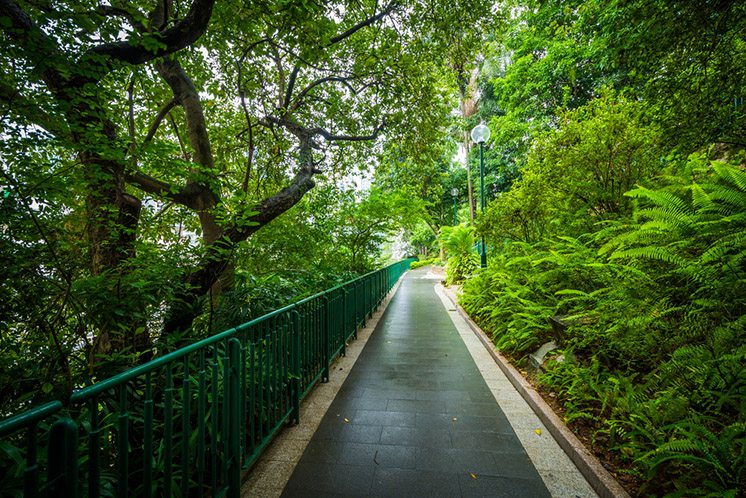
pixel 424 262
pixel 458 242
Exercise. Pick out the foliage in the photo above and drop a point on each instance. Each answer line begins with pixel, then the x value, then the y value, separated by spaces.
pixel 147 146
pixel 578 173
pixel 606 224
pixel 458 242
pixel 653 310
pixel 425 262
pixel 423 238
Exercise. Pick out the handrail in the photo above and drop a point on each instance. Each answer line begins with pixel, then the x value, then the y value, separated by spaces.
pixel 93 390
pixel 29 417
pixel 188 422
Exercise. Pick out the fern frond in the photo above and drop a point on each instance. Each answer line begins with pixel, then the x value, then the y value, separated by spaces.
pixel 701 199
pixel 723 246
pixel 660 198
pixel 667 218
pixel 651 252
pixel 731 174
pixel 727 200
pixel 631 238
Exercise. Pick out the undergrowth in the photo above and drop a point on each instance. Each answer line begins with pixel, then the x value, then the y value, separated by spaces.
pixel 654 341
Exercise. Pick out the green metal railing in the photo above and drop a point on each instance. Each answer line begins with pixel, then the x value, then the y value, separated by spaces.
pixel 187 423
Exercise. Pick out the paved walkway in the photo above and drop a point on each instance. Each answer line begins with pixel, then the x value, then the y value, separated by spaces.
pixel 415 417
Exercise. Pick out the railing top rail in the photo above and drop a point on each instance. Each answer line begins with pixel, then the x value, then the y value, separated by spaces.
pixel 29 417
pixel 89 392
pixel 93 390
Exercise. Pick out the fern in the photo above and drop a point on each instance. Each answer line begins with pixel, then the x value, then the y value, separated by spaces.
pixel 651 252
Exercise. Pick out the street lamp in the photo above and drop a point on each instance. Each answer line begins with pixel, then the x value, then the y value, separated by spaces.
pixel 480 134
pixel 454 193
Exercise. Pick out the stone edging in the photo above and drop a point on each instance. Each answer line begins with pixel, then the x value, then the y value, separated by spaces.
pixel 597 476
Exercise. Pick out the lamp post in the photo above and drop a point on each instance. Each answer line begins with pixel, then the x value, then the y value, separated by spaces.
pixel 480 134
pixel 454 193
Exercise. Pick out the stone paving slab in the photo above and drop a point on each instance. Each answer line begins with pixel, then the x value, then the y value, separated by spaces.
pixel 415 417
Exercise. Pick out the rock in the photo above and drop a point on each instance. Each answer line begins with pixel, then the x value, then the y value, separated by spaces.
pixel 536 359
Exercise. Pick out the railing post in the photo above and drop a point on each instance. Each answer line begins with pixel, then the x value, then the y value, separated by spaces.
pixel 63 459
pixel 233 458
pixel 296 373
pixel 355 306
pixel 326 338
pixel 344 320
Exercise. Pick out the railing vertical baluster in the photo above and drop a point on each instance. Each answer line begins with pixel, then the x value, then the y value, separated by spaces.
pixel 345 305
pixel 63 459
pixel 31 471
pixel 327 332
pixel 147 446
pixel 226 413
pixel 261 342
pixel 242 395
pixel 252 387
pixel 201 412
pixel 296 366
pixel 274 374
pixel 233 380
pixel 186 405
pixel 281 361
pixel 168 416
pixel 214 420
pixel 94 450
pixel 123 443
pixel 356 306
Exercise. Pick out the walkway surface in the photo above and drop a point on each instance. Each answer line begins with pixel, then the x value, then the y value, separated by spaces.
pixel 415 417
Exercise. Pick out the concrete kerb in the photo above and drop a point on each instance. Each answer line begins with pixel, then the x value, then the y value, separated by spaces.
pixel 272 470
pixel 597 476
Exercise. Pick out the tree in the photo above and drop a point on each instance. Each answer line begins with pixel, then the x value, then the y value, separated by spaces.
pixel 578 174
pixel 684 58
pixel 175 130
pixel 365 223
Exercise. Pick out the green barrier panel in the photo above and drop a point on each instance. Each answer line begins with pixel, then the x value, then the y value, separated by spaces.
pixel 189 422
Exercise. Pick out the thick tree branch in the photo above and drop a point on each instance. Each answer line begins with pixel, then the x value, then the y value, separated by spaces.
pixel 159 119
pixel 362 24
pixel 131 114
pixel 160 14
pixel 314 84
pixel 179 36
pixel 186 196
pixel 346 138
pixel 304 133
pixel 291 85
pixel 274 206
pixel 280 77
pixel 185 92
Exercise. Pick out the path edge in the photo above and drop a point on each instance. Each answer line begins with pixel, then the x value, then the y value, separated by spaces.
pixel 589 466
